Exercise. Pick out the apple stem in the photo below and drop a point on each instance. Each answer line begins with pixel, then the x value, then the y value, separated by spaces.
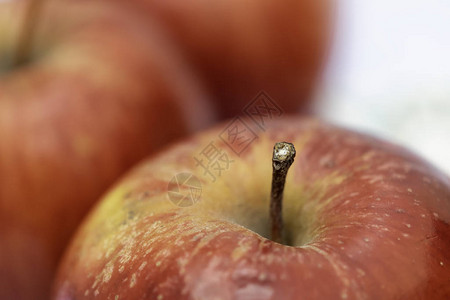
pixel 282 159
pixel 30 19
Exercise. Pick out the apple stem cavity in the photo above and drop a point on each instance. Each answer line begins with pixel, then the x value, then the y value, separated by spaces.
pixel 282 159
pixel 25 40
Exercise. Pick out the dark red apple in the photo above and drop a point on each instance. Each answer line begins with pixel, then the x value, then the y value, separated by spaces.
pixel 242 47
pixel 363 219
pixel 100 89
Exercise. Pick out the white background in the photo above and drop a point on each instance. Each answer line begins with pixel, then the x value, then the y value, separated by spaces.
pixel 389 73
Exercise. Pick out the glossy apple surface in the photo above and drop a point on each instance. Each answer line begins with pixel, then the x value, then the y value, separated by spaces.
pixel 364 219
pixel 101 90
pixel 242 47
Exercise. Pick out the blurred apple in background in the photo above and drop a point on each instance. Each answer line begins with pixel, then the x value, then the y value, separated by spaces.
pixel 364 219
pixel 98 90
pixel 242 47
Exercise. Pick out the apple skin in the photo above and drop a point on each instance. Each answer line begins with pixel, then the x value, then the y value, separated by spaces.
pixel 242 47
pixel 103 90
pixel 364 219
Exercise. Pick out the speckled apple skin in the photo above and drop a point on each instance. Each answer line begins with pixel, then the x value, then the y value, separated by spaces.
pixel 365 219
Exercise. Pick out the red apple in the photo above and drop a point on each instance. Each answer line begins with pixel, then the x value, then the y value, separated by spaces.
pixel 242 47
pixel 101 89
pixel 363 219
